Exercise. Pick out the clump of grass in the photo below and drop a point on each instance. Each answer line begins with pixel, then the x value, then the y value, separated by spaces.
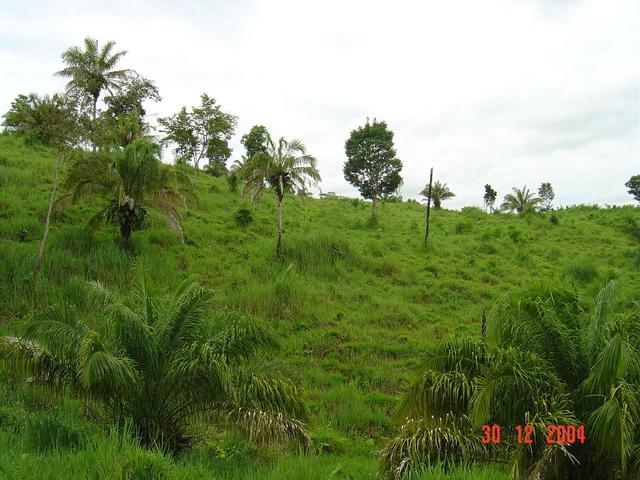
pixel 581 269
pixel 315 251
pixel 464 226
pixel 47 430
pixel 631 226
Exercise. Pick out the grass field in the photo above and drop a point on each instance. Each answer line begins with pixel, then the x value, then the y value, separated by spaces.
pixel 355 309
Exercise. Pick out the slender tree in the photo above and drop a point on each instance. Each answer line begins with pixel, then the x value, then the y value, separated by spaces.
pixel 520 200
pixel 163 364
pixel 490 196
pixel 439 193
pixel 285 168
pixel 256 141
pixel 546 194
pixel 129 181
pixel 92 70
pixel 372 166
pixel 52 121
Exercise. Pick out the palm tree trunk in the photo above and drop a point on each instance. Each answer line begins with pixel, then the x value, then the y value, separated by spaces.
pixel 280 198
pixel 94 114
pixel 47 223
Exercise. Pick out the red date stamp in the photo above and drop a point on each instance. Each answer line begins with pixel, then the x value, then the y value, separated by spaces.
pixel 564 434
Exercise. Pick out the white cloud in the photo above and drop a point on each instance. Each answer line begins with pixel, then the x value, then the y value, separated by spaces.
pixel 501 92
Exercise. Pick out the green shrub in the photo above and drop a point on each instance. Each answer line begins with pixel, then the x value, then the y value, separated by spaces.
pixel 515 234
pixel 464 226
pixel 243 217
pixel 147 465
pixel 631 226
pixel 553 220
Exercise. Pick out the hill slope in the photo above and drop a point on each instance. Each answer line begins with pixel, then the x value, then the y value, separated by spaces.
pixel 355 307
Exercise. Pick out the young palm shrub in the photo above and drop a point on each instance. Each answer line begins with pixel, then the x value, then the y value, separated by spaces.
pixel 545 361
pixel 129 181
pixel 520 200
pixel 285 168
pixel 439 193
pixel 163 365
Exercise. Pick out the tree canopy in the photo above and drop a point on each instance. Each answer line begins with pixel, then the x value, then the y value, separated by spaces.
pixel 201 133
pixel 439 193
pixel 633 184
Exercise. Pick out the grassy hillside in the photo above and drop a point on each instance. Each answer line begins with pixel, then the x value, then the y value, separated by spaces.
pixel 355 308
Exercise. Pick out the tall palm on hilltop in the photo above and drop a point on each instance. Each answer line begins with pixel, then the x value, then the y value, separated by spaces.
pixel 520 200
pixel 92 69
pixel 285 168
pixel 163 365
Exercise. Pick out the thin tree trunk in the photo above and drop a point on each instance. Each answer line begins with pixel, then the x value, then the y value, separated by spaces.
pixel 93 123
pixel 47 223
pixel 280 198
pixel 372 221
pixel 428 219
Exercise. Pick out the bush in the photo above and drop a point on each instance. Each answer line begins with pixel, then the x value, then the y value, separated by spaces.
pixel 243 217
pixel 631 227
pixel 553 220
pixel 515 234
pixel 147 465
pixel 355 202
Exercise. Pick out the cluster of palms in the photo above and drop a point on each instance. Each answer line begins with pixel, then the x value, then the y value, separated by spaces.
pixel 545 361
pixel 521 200
pixel 164 364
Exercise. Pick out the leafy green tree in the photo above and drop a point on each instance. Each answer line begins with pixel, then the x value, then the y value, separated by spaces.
pixel 633 184
pixel 490 196
pixel 163 364
pixel 285 168
pixel 92 69
pixel 544 362
pixel 134 91
pixel 545 192
pixel 520 200
pixel 203 132
pixel 129 181
pixel 256 141
pixel 372 166
pixel 439 193
pixel 48 120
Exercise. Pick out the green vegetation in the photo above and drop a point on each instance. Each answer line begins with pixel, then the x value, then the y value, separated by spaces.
pixel 200 355
pixel 372 166
pixel 354 309
pixel 545 361
pixel 439 193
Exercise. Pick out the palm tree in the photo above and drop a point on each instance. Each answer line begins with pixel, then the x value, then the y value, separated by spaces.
pixel 129 181
pixel 544 361
pixel 285 168
pixel 439 192
pixel 520 200
pixel 92 70
pixel 162 365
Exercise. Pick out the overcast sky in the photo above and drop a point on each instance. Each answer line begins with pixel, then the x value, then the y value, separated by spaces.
pixel 501 92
